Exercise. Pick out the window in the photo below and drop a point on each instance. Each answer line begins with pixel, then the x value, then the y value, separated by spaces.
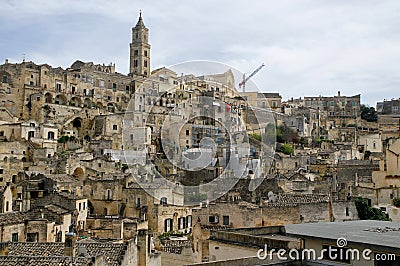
pixel 187 132
pixel 8 90
pixel 50 135
pixel 32 237
pixel 136 52
pixel 31 83
pixel 332 103
pixel 145 63
pixel 145 53
pixel 80 206
pixel 189 221
pixel 163 201
pixel 115 127
pixel 84 205
pixel 114 85
pixel 84 92
pixel 58 87
pixel 1 133
pixel 181 223
pixel 108 194
pixel 342 103
pixel 127 89
pixel 15 237
pixel 347 211
pixel 213 219
pixel 225 220
pixel 135 63
pixel 101 83
pixel 168 225
pixel 7 206
pixel 138 203
pixel 73 90
pixel 5 79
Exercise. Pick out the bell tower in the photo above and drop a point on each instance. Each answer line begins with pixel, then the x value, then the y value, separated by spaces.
pixel 140 49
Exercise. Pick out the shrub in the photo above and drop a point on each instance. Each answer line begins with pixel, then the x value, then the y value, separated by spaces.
pixel 287 149
pixel 396 202
pixel 63 139
pixel 256 136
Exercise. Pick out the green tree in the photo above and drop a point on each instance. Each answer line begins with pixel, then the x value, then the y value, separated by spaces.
pixel 287 149
pixel 63 139
pixel 396 202
pixel 368 113
pixel 366 212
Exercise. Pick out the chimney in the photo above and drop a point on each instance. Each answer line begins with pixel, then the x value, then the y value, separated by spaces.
pixel 6 61
pixel 70 244
pixel 338 93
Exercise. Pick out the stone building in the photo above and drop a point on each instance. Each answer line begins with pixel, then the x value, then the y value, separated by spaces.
pixel 341 110
pixel 387 107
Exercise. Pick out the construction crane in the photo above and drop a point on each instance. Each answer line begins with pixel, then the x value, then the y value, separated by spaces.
pixel 245 79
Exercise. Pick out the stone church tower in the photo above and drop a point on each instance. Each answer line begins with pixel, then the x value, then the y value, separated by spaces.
pixel 140 50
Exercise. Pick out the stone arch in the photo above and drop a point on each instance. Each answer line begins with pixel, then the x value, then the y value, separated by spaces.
pixel 111 107
pixel 87 103
pixel 76 101
pixel 60 99
pixel 79 173
pixel 48 97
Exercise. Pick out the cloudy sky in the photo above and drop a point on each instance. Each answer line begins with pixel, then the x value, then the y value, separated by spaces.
pixel 309 47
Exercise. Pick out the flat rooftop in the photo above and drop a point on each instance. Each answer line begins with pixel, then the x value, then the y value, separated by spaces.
pixel 378 233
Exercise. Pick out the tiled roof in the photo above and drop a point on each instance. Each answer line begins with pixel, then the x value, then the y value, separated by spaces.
pixel 54 252
pixel 36 249
pixel 9 218
pixel 214 227
pixel 46 261
pixel 113 253
pixel 295 199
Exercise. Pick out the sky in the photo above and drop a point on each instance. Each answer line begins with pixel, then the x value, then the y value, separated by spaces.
pixel 309 47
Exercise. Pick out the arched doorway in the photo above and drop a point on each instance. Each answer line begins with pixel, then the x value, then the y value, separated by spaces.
pixel 48 97
pixel 60 99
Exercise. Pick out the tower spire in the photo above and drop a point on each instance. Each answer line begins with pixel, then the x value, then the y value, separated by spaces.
pixel 140 49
